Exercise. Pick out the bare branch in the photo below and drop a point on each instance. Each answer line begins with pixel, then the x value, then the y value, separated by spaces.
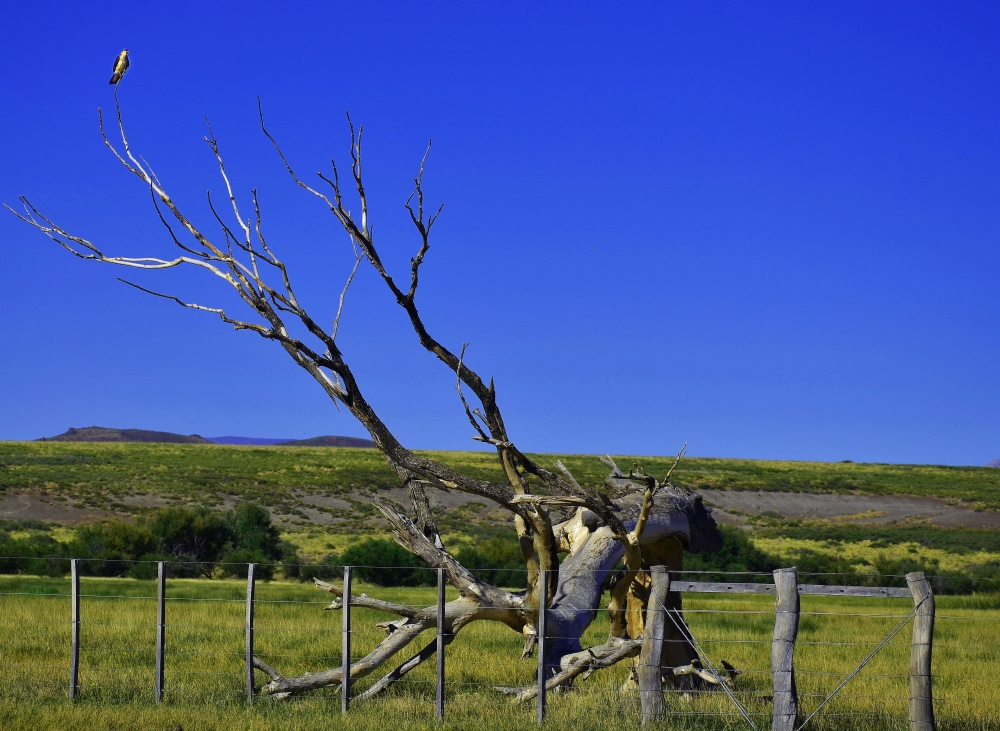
pixel 680 455
pixel 458 387
pixel 121 127
pixel 594 658
pixel 389 678
pixel 260 112
pixel 247 241
pixel 343 294
pixel 237 324
pixel 170 230
pixel 365 601
pixel 418 221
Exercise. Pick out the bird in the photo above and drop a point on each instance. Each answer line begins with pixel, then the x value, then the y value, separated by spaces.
pixel 733 672
pixel 120 67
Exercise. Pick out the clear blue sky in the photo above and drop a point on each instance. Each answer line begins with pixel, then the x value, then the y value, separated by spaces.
pixel 771 230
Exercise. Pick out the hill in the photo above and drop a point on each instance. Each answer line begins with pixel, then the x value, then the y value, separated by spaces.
pixel 994 463
pixel 331 442
pixel 321 498
pixel 101 472
pixel 105 434
pixel 247 441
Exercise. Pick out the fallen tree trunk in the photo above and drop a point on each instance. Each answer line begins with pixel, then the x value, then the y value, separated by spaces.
pixel 677 519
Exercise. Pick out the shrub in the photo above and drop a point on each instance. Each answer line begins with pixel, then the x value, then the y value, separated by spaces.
pixel 37 553
pixel 189 534
pixel 233 563
pixel 290 565
pixel 250 529
pixel 331 567
pixel 111 545
pixel 738 554
pixel 192 539
pixel 386 563
pixel 496 561
pixel 146 568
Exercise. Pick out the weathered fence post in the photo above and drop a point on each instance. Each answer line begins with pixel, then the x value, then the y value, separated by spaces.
pixel 440 645
pixel 921 695
pixel 786 628
pixel 543 603
pixel 74 663
pixel 251 579
pixel 345 646
pixel 161 598
pixel 650 673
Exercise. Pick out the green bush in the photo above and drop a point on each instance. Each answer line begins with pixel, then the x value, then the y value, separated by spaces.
pixel 250 529
pixel 37 554
pixel 110 545
pixel 496 561
pixel 146 567
pixel 737 555
pixel 233 563
pixel 291 565
pixel 194 541
pixel 189 534
pixel 385 563
pixel 331 567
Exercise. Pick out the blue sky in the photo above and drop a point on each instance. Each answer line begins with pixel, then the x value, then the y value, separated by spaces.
pixel 769 230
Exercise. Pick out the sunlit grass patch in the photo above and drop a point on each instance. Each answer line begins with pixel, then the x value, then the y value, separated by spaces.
pixel 205 670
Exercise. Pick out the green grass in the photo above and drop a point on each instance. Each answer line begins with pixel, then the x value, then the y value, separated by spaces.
pixel 886 548
pixel 101 474
pixel 883 535
pixel 110 476
pixel 204 662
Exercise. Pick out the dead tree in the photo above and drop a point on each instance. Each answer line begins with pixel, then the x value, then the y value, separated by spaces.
pixel 632 517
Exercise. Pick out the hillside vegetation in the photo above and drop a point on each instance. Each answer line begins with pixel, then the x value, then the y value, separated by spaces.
pixel 321 500
pixel 101 471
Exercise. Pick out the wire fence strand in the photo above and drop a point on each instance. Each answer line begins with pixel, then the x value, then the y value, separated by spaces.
pixel 205 655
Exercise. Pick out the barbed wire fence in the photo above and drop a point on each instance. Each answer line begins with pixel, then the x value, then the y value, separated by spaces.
pixel 193 641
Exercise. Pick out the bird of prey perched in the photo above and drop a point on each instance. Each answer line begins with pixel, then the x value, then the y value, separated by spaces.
pixel 121 65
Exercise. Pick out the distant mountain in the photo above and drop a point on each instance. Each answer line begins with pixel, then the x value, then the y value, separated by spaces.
pixel 248 441
pixel 994 463
pixel 105 434
pixel 313 442
pixel 331 442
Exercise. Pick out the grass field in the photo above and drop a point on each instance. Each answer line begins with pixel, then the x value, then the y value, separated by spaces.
pixel 126 478
pixel 204 663
pixel 100 474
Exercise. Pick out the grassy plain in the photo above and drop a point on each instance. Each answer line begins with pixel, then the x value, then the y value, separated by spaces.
pixel 204 662
pixel 100 475
pixel 126 478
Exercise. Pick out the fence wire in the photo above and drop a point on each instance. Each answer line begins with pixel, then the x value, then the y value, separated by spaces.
pixel 205 652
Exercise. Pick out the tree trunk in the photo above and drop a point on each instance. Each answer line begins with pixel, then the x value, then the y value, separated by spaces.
pixel 675 521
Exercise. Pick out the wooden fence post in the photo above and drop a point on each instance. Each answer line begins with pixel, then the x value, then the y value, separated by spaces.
pixel 786 629
pixel 161 596
pixel 440 645
pixel 650 672
pixel 74 663
pixel 345 646
pixel 251 579
pixel 543 602
pixel 921 695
